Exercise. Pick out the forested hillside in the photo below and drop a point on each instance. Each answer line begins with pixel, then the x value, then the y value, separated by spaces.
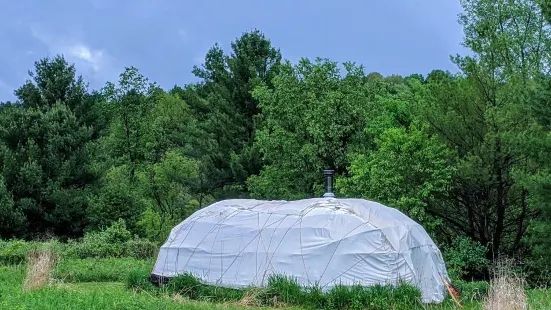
pixel 466 154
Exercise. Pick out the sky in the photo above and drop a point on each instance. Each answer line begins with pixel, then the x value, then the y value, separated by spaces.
pixel 164 39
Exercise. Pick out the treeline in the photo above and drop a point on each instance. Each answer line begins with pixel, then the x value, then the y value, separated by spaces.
pixel 466 154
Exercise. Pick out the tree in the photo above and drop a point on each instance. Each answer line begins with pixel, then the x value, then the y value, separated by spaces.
pixel 227 83
pixel 45 151
pixel 404 165
pixel 312 119
pixel 483 114
pixel 118 196
pixel 45 161
pixel 123 151
pixel 168 186
pixel 409 170
pixel 132 102
pixel 53 80
pixel 150 168
pixel 172 180
pixel 510 38
pixel 12 219
pixel 546 8
pixel 538 182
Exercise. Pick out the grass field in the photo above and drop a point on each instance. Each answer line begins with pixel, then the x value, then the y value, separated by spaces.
pixel 100 284
pixel 86 295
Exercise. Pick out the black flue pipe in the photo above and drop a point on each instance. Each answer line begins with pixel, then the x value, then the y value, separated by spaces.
pixel 328 183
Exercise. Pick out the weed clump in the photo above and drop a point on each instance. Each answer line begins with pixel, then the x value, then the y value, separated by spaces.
pixel 506 289
pixel 41 263
pixel 137 281
pixel 376 297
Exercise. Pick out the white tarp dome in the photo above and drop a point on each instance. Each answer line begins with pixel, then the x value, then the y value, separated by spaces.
pixel 240 243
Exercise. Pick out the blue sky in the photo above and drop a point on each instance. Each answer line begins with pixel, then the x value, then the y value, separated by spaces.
pixel 165 38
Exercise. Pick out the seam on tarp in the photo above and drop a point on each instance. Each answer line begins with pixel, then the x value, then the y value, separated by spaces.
pixel 339 242
pixel 268 261
pixel 362 258
pixel 208 234
pixel 301 251
pixel 241 251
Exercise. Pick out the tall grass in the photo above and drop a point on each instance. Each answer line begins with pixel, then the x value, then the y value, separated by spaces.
pixel 507 289
pixel 41 262
pixel 100 269
pixel 283 291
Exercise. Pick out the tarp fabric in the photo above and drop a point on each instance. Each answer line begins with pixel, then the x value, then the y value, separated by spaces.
pixel 325 241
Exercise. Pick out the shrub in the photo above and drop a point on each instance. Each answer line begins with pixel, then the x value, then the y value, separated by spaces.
pixel 538 272
pixel 465 258
pixel 116 233
pixel 154 227
pixel 103 243
pixel 473 291
pixel 115 241
pixel 93 247
pixel 110 243
pixel 140 248
pixel 14 251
